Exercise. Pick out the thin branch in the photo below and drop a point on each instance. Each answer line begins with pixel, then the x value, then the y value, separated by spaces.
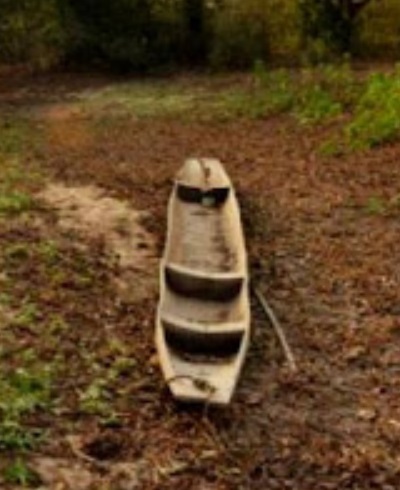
pixel 277 328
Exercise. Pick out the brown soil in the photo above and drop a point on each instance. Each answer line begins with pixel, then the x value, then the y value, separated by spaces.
pixel 327 265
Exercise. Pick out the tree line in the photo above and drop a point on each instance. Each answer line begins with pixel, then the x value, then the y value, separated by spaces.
pixel 144 35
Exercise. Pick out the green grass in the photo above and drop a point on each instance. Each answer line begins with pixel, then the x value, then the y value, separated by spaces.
pixel 379 206
pixel 376 206
pixel 376 118
pixel 15 135
pixel 27 316
pixel 312 96
pixel 316 105
pixel 97 398
pixel 24 390
pixel 372 114
pixel 25 384
pixel 149 99
pixel 14 202
pixel 19 473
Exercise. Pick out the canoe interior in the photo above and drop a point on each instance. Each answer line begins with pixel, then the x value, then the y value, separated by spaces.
pixel 203 316
pixel 205 236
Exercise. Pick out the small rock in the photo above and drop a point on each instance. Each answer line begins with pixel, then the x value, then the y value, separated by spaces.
pixel 366 414
pixel 355 353
pixel 394 423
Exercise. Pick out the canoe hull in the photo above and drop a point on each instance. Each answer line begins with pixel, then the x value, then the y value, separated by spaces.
pixel 203 316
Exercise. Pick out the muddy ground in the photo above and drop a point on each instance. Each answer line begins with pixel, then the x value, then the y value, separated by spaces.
pixel 322 236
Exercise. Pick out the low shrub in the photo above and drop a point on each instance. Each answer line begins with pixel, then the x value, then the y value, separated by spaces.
pixel 376 117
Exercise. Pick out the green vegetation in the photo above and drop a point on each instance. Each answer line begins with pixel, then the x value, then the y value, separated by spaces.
pixel 376 206
pixel 19 473
pixel 97 398
pixel 31 31
pixel 371 107
pixel 311 95
pixel 14 202
pixel 142 99
pixel 15 133
pixel 23 392
pixel 16 136
pixel 328 26
pixel 380 206
pixel 376 116
pixel 368 108
pixel 143 35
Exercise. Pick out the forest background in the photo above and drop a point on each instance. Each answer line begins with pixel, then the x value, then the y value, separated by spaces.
pixel 163 35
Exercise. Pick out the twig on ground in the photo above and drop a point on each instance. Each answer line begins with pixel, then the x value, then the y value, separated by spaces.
pixel 277 328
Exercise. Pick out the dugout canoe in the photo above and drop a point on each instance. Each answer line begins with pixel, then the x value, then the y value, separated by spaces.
pixel 203 315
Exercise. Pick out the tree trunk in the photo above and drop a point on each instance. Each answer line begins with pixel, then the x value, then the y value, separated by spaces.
pixel 353 7
pixel 195 38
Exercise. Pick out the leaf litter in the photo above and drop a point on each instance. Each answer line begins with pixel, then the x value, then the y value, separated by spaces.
pixel 327 265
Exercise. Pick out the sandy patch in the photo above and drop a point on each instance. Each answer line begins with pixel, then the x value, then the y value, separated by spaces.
pixel 94 215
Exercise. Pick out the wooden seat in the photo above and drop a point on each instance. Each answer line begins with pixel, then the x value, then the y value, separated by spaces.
pixel 217 286
pixel 195 337
pixel 182 343
pixel 212 197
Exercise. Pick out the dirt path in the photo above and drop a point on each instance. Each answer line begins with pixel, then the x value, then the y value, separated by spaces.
pixel 322 253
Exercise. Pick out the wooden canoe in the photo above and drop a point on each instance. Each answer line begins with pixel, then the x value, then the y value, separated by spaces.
pixel 203 315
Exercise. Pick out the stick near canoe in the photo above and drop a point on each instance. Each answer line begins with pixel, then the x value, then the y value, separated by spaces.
pixel 277 328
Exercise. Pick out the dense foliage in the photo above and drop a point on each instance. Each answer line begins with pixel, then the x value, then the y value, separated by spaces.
pixel 152 34
pixel 31 31
pixel 328 25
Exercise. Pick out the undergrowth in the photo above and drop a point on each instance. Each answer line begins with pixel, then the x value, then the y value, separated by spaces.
pixel 376 117
pixel 24 391
pixel 369 109
pixel 17 136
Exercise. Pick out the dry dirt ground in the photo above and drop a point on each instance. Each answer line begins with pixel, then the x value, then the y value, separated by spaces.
pixel 323 254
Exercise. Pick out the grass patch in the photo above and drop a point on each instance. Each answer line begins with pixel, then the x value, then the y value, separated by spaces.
pixel 316 105
pixel 376 118
pixel 19 473
pixel 14 202
pixel 373 115
pixel 375 206
pixel 24 390
pixel 313 96
pixel 58 298
pixel 141 99
pixel 379 206
pixel 15 135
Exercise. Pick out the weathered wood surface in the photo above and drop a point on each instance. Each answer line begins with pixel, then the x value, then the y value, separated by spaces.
pixel 203 316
